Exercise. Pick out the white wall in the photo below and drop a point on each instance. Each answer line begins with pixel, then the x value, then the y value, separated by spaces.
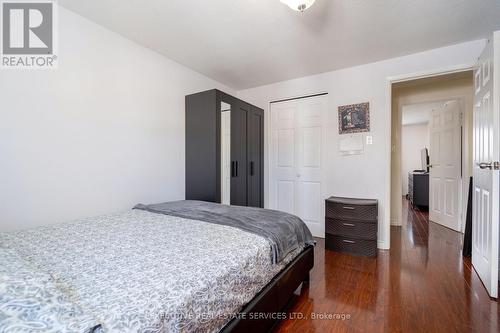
pixel 367 175
pixel 99 134
pixel 414 138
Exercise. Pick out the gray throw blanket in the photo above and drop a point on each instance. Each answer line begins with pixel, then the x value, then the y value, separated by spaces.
pixel 285 232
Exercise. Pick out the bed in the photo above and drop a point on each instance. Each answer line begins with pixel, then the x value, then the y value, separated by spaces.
pixel 185 266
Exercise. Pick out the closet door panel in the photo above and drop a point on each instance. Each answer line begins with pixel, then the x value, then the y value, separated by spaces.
pixel 255 161
pixel 238 156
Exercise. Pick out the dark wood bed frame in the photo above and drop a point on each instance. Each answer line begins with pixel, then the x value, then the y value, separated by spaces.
pixel 274 297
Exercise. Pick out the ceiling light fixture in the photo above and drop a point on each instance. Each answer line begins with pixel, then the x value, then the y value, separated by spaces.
pixel 298 5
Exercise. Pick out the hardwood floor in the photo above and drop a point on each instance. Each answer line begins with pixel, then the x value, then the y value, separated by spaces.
pixel 422 284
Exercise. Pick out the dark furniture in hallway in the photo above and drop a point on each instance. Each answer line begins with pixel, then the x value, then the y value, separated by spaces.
pixel 418 188
pixel 351 225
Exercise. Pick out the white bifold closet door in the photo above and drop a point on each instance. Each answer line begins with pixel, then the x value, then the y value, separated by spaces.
pixel 297 158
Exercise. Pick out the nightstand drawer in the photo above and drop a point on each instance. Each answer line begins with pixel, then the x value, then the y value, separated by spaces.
pixel 360 230
pixel 351 211
pixel 351 245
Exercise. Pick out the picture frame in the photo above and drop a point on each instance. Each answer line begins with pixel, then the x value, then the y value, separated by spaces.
pixel 354 118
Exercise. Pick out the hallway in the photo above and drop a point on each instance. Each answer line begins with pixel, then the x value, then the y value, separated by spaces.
pixel 421 285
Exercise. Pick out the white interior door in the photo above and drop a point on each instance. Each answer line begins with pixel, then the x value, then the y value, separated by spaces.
pixel 445 175
pixel 485 219
pixel 297 160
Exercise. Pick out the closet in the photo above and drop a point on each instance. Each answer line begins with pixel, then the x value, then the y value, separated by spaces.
pixel 224 149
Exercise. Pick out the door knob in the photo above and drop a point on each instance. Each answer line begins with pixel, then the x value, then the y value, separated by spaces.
pixel 489 165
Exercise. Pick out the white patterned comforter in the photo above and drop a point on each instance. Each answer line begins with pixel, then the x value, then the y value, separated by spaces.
pixel 143 272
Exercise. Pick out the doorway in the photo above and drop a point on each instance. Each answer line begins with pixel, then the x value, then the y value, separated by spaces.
pixel 431 156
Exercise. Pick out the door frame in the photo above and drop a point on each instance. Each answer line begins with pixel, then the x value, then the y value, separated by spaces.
pixel 268 143
pixel 390 81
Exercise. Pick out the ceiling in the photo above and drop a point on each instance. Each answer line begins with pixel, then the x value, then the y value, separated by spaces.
pixel 248 43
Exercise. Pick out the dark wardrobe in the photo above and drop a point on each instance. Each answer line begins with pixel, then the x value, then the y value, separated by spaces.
pixel 204 161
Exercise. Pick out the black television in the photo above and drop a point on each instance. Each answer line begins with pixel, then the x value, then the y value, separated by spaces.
pixel 424 157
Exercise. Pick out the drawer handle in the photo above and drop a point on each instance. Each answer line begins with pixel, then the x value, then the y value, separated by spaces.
pixel 347 207
pixel 348 241
pixel 348 224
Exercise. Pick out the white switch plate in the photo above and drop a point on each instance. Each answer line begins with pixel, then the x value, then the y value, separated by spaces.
pixel 369 140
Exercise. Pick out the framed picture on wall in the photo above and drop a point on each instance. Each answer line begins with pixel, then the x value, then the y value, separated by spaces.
pixel 354 118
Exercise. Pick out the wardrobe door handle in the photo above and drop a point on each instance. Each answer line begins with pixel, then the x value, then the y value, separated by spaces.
pixel 236 169
pixel 251 168
pixel 233 169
